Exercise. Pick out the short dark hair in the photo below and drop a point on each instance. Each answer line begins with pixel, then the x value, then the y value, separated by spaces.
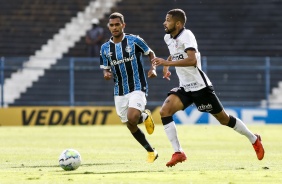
pixel 178 15
pixel 117 15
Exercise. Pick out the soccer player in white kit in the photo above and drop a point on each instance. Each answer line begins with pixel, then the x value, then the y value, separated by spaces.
pixel 194 86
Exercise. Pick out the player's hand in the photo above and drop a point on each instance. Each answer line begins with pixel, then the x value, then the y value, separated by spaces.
pixel 166 75
pixel 159 61
pixel 152 73
pixel 107 75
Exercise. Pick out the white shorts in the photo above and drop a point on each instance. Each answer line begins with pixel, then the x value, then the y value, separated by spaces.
pixel 135 99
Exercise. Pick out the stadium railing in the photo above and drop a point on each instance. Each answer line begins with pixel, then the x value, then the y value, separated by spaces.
pixel 237 80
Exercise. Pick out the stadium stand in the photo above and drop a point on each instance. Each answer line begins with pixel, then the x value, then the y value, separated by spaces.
pixel 26 25
pixel 54 87
pixel 222 28
pixel 54 49
pixel 248 28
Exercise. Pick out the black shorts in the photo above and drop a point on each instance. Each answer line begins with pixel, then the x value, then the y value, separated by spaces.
pixel 204 99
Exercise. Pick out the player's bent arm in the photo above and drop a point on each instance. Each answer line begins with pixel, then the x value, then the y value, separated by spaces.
pixel 151 56
pixel 152 72
pixel 165 68
pixel 191 60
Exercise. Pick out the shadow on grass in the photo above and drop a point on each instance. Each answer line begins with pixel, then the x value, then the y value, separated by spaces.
pixel 113 172
pixel 48 166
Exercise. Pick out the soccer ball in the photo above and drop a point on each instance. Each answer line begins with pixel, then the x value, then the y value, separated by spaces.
pixel 70 159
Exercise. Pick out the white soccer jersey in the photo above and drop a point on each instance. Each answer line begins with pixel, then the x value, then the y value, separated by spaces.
pixel 191 78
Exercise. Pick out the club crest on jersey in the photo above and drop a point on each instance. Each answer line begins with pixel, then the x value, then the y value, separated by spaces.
pixel 176 43
pixel 128 49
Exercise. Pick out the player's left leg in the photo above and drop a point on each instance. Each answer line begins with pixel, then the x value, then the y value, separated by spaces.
pixel 241 128
pixel 207 101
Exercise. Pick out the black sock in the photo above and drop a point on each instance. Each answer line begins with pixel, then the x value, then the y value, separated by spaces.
pixel 232 122
pixel 140 137
pixel 167 120
pixel 140 119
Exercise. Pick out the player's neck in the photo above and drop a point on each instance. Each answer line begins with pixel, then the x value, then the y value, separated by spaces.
pixel 176 32
pixel 118 39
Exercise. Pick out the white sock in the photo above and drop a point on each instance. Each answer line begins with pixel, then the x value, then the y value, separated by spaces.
pixel 171 132
pixel 144 116
pixel 241 128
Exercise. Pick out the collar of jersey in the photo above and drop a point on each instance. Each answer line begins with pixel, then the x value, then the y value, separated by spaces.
pixel 111 39
pixel 178 33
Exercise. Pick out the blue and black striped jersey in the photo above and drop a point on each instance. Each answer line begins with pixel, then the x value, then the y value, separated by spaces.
pixel 124 59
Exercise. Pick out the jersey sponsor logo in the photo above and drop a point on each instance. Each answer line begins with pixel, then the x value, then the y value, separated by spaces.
pixel 206 108
pixel 192 85
pixel 177 57
pixel 117 62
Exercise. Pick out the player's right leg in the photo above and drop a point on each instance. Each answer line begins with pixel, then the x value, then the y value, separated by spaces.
pixel 136 105
pixel 171 105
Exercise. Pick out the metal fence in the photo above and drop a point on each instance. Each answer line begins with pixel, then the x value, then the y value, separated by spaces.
pixel 246 66
pixel 227 74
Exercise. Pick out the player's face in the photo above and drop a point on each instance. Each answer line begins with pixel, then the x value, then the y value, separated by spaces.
pixel 169 24
pixel 116 27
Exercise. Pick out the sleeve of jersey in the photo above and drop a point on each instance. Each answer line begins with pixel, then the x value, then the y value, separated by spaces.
pixel 166 38
pixel 189 41
pixel 104 64
pixel 142 45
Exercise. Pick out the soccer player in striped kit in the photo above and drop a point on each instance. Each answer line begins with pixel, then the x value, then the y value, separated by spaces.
pixel 194 86
pixel 121 59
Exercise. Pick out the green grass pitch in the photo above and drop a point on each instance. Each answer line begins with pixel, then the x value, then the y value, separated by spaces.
pixel 216 154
